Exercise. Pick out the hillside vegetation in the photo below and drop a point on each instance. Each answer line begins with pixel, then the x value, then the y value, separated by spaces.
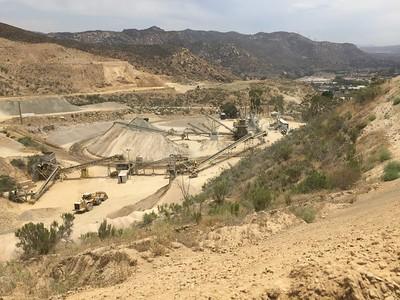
pixel 261 54
pixel 329 153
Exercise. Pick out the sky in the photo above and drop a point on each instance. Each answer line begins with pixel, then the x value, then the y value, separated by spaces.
pixel 363 22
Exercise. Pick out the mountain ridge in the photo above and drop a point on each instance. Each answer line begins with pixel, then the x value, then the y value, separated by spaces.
pixel 172 61
pixel 254 55
pixel 198 55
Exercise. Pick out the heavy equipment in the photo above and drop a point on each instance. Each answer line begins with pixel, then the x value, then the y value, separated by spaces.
pixel 89 200
pixel 279 124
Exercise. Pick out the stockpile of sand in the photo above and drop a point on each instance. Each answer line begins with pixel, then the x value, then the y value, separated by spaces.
pixel 147 144
pixel 39 105
pixel 209 147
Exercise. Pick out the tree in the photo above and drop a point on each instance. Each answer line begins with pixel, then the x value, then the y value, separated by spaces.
pixel 65 230
pixel 259 196
pixel 36 239
pixel 220 190
pixel 278 103
pixel 7 183
pixel 230 110
pixel 318 104
pixel 255 99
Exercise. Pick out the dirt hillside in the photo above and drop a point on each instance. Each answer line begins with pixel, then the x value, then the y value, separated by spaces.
pixel 351 252
pixel 27 69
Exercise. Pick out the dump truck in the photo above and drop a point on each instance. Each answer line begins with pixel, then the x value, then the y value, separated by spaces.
pixel 89 200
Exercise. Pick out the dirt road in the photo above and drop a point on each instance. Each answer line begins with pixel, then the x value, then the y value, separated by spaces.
pixel 352 250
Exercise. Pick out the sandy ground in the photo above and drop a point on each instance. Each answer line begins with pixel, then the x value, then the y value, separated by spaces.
pixel 11 148
pixel 61 197
pixel 310 259
pixel 66 136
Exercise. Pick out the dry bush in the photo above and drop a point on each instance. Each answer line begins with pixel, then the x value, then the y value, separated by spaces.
pixel 344 177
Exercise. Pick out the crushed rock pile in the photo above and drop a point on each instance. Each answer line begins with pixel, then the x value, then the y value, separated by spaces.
pixel 150 145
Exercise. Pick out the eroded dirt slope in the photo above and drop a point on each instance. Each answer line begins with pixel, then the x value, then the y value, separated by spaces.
pixel 27 69
pixel 352 253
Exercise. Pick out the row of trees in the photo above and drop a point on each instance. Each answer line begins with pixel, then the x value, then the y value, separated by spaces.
pixel 256 103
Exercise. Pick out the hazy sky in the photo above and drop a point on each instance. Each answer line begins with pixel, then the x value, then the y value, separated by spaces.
pixel 365 22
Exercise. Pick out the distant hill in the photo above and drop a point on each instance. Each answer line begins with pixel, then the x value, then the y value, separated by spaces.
pixel 257 55
pixel 31 65
pixel 169 60
pixel 210 55
pixel 395 50
pixel 387 53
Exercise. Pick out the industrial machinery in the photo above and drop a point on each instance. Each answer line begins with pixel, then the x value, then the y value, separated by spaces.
pixel 57 171
pixel 279 124
pixel 89 200
pixel 241 129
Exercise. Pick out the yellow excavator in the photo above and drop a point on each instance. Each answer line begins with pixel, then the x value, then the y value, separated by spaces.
pixel 89 200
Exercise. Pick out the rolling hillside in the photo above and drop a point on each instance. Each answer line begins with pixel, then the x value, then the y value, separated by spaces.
pixel 261 54
pixel 53 69
pixel 172 60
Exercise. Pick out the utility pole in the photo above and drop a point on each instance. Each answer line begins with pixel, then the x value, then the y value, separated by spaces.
pixel 20 112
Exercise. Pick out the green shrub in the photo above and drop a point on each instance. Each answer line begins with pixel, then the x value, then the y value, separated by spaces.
pixel 149 218
pixel 259 196
pixel 19 163
pixel 396 101
pixel 313 182
pixel 391 171
pixel 65 229
pixel 27 142
pixel 360 126
pixel 371 118
pixel 390 175
pixel 235 207
pixel 36 239
pixel 288 199
pixel 367 94
pixel 283 152
pixel 230 110
pixel 106 231
pixel 306 213
pixel 7 183
pixel 384 154
pixel 344 178
pixel 89 237
pixel 220 190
